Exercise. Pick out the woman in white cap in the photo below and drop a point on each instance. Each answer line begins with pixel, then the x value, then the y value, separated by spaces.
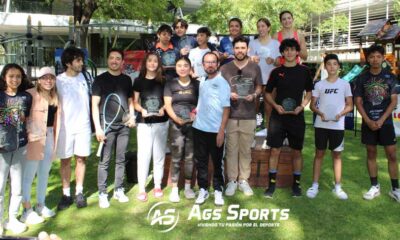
pixel 42 128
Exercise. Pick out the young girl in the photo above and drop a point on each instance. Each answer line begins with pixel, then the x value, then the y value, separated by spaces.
pixel 42 128
pixel 15 106
pixel 180 98
pixel 152 127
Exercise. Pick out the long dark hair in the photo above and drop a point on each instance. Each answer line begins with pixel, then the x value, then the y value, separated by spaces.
pixel 24 81
pixel 143 69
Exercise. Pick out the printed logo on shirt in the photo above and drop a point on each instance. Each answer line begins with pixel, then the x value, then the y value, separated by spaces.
pixel 331 91
pixel 376 91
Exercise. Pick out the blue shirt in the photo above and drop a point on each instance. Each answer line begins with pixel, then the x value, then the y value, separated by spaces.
pixel 225 46
pixel 214 95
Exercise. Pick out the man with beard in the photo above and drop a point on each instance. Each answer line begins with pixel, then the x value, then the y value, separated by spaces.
pixel 112 82
pixel 244 77
pixel 209 128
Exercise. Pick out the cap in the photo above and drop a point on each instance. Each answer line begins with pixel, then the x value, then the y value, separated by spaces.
pixel 46 70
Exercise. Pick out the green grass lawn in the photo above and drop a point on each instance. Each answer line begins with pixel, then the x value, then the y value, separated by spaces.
pixel 322 218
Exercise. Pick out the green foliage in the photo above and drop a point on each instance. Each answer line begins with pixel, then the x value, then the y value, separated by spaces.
pixel 216 13
pixel 396 9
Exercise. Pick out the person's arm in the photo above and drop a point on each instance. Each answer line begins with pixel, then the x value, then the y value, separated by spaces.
pixel 271 100
pixel 171 112
pixel 304 103
pixel 313 107
pixel 132 119
pixel 100 135
pixel 347 108
pixel 253 96
pixel 137 105
pixel 303 47
pixel 388 111
pixel 221 131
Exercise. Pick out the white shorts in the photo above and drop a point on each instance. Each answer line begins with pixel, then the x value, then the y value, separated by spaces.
pixel 73 144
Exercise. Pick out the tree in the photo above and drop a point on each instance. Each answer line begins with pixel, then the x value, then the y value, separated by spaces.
pixel 216 13
pixel 85 10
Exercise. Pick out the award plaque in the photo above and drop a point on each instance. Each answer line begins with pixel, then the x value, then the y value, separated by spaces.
pixel 152 105
pixel 242 86
pixel 168 59
pixel 289 104
pixel 184 113
pixel 330 112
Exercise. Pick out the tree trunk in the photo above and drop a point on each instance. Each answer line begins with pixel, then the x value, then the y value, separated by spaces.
pixel 83 12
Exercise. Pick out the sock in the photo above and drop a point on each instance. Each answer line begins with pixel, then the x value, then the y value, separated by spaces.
pixel 296 178
pixel 78 189
pixel 374 181
pixel 67 192
pixel 272 178
pixel 338 186
pixel 315 185
pixel 395 184
pixel 157 186
pixel 187 186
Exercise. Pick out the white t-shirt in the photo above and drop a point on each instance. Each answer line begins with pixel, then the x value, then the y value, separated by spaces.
pixel 196 58
pixel 264 51
pixel 332 100
pixel 74 100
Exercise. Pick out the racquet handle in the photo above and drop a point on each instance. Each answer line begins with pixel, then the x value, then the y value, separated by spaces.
pixel 98 154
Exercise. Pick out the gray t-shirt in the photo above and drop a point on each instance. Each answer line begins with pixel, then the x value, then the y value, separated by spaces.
pixel 184 98
pixel 243 82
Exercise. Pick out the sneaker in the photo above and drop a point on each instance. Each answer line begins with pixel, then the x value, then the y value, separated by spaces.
pixel 395 194
pixel 65 202
pixel 231 188
pixel 45 212
pixel 269 192
pixel 265 145
pixel 339 193
pixel 15 226
pixel 218 199
pixel 312 192
pixel 286 142
pixel 142 197
pixel 296 190
pixel 203 195
pixel 30 217
pixel 119 194
pixel 245 188
pixel 174 195
pixel 158 193
pixel 103 200
pixel 373 192
pixel 80 201
pixel 189 194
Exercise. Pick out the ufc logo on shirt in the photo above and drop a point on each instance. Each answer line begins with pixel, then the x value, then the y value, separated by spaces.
pixel 330 91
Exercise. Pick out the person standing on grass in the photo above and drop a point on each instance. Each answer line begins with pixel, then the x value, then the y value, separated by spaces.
pixel 290 81
pixel 152 127
pixel 180 98
pixel 329 124
pixel 15 106
pixel 209 129
pixel 43 127
pixel 113 82
pixel 75 131
pixel 244 78
pixel 225 46
pixel 376 97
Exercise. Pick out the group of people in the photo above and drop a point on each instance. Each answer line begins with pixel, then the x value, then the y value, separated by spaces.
pixel 198 99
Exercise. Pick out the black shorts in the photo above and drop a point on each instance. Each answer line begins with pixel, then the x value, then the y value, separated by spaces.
pixel 286 126
pixel 335 138
pixel 385 136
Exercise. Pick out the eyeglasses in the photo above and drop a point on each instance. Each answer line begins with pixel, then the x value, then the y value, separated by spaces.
pixel 210 62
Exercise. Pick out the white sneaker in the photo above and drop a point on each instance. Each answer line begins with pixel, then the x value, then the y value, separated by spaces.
pixel 231 188
pixel 45 212
pixel 218 199
pixel 120 195
pixel 30 217
pixel 15 226
pixel 103 200
pixel 373 192
pixel 203 195
pixel 312 192
pixel 265 145
pixel 174 195
pixel 395 194
pixel 340 193
pixel 189 194
pixel 245 188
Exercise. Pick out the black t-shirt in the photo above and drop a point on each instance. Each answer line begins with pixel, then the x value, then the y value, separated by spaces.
pixel 290 82
pixel 184 98
pixel 151 98
pixel 106 84
pixel 376 91
pixel 13 113
pixel 51 113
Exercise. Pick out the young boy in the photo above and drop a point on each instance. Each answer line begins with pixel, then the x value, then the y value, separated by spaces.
pixel 196 54
pixel 376 97
pixel 335 101
pixel 166 50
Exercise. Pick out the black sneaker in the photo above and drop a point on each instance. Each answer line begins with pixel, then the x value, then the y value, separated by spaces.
pixel 269 192
pixel 296 190
pixel 80 201
pixel 65 202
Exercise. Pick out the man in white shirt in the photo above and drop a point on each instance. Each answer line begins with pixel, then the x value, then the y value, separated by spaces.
pixel 196 54
pixel 75 131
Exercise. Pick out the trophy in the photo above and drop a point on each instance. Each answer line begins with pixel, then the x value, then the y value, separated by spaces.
pixel 184 113
pixel 243 86
pixel 330 112
pixel 289 105
pixel 152 105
